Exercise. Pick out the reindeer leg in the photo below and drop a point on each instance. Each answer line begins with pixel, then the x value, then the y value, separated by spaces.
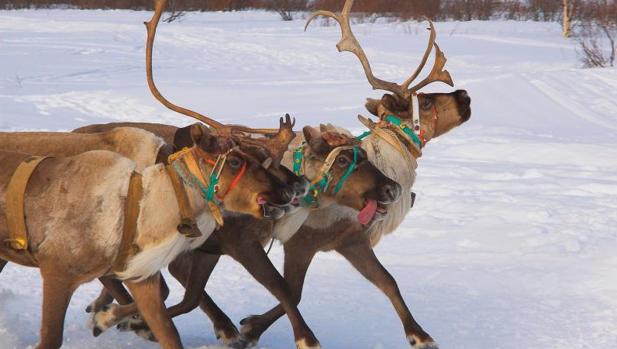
pixel 126 314
pixel 112 289
pixel 193 271
pixel 103 300
pixel 149 300
pixel 112 315
pixel 57 292
pixel 297 260
pixel 363 258
pixel 226 332
pixel 252 256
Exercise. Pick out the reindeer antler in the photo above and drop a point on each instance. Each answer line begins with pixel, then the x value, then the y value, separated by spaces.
pixel 151 26
pixel 277 144
pixel 159 6
pixel 349 43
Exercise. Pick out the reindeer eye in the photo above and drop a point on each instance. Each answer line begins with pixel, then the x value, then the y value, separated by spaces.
pixel 234 162
pixel 343 161
pixel 426 103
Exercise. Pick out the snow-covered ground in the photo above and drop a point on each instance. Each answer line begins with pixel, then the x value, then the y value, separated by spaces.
pixel 512 243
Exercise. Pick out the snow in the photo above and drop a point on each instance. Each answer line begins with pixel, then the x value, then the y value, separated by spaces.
pixel 512 241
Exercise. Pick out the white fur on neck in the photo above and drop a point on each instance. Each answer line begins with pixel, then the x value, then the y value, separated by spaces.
pixel 401 169
pixel 157 234
pixel 286 227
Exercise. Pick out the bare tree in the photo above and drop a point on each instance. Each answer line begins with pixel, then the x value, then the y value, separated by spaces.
pixel 175 12
pixel 568 8
pixel 598 34
pixel 286 8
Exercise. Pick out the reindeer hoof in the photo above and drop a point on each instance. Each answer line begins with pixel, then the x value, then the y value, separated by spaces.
pixel 89 309
pixel 230 337
pixel 240 343
pixel 417 343
pixel 146 334
pixel 250 330
pixel 139 326
pixel 102 320
pixel 304 344
pixel 96 331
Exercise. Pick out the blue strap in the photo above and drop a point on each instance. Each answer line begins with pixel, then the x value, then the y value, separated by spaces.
pixel 351 168
pixel 311 199
pixel 398 122
pixel 206 192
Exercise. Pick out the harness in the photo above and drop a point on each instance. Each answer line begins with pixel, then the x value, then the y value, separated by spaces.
pixel 16 217
pixel 15 200
pixel 412 135
pixel 184 166
pixel 323 178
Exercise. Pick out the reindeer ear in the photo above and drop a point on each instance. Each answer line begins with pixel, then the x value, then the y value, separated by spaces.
pixel 395 103
pixel 315 141
pixel 372 105
pixel 189 136
pixel 214 144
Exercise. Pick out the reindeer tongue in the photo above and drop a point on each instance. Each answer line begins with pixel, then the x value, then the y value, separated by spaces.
pixel 368 212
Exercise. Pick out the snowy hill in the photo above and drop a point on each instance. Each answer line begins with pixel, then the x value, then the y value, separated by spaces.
pixel 512 241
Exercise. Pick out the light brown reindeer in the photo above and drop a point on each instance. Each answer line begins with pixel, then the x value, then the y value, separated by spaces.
pixel 75 212
pixel 394 150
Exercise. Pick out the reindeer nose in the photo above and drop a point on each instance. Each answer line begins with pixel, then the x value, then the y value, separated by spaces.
pixel 464 104
pixel 462 97
pixel 390 192
pixel 287 194
pixel 301 186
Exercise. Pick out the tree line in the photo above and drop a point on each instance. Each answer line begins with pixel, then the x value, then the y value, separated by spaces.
pixel 465 10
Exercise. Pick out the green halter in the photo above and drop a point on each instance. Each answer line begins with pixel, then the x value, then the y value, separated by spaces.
pixel 409 132
pixel 321 185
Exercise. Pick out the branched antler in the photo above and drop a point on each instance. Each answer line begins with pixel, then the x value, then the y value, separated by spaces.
pixel 349 43
pixel 159 6
pixel 277 142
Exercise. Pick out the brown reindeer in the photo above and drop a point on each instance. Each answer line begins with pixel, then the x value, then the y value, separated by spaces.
pixel 393 149
pixel 74 212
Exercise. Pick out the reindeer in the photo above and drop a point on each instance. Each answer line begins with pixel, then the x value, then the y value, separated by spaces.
pixel 330 154
pixel 75 213
pixel 408 120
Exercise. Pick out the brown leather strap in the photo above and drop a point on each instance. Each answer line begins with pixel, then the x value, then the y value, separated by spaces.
pixel 15 198
pixel 187 226
pixel 129 230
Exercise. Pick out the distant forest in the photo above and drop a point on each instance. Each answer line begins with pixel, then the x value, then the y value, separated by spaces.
pixel 465 10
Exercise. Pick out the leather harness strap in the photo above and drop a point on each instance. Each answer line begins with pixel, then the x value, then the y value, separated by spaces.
pixel 187 226
pixel 15 199
pixel 131 216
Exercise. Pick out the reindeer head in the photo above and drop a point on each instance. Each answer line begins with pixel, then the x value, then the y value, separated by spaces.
pixel 340 170
pixel 246 184
pixel 435 113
